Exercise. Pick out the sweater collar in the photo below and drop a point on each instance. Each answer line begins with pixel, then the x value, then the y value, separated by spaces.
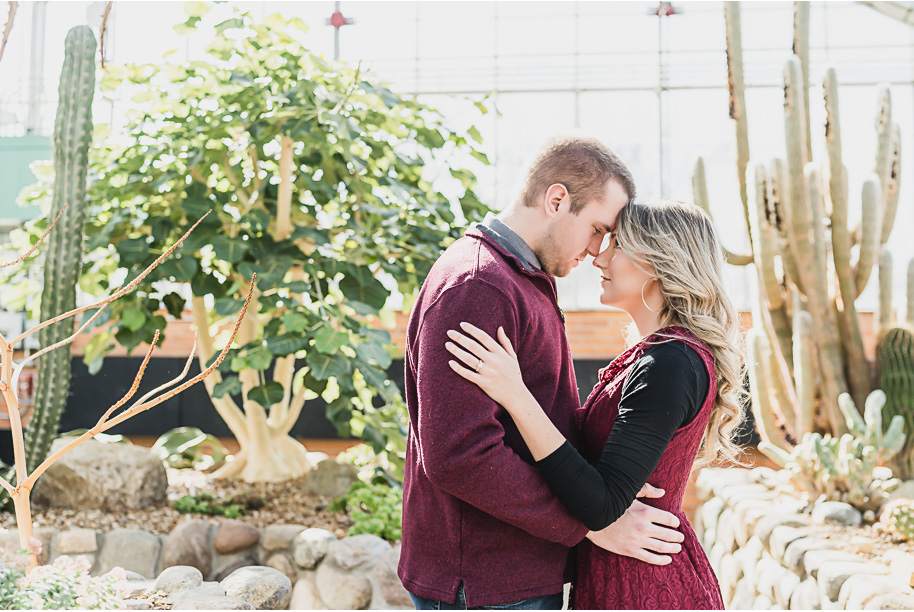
pixel 506 238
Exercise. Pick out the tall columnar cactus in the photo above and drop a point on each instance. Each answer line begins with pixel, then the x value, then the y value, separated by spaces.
pixel 810 265
pixel 895 355
pixel 72 137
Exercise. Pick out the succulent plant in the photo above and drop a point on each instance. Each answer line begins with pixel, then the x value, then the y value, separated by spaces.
pixel 850 468
pixel 897 518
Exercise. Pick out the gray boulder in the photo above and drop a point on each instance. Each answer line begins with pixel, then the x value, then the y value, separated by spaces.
pixel 263 587
pixel 188 544
pixel 837 512
pixel 363 550
pixel 112 477
pixel 178 578
pixel 310 547
pixel 131 549
pixel 330 478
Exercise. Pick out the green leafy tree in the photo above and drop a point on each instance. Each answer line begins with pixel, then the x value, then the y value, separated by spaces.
pixel 317 176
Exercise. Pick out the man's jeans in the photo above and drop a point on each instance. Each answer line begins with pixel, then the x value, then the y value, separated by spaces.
pixel 546 602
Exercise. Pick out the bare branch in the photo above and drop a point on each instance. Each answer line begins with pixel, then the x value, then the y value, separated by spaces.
pixel 101 44
pixel 40 240
pixel 228 345
pixel 177 379
pixel 136 383
pixel 9 26
pixel 9 488
pixel 34 356
pixel 137 408
pixel 30 481
pixel 118 293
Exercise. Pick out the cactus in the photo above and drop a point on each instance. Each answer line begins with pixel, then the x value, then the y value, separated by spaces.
pixel 909 309
pixel 897 518
pixel 848 468
pixel 810 265
pixel 895 354
pixel 72 136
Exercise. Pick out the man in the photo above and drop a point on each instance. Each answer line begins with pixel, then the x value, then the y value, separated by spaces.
pixel 480 525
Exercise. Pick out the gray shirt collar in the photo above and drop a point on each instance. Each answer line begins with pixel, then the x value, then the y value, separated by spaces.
pixel 509 240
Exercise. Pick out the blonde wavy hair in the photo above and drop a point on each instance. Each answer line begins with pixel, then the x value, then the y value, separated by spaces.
pixel 679 243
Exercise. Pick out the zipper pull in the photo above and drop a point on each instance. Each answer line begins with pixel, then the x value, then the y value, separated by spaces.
pixel 562 314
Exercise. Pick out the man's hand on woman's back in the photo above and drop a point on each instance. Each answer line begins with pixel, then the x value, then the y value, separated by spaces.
pixel 642 532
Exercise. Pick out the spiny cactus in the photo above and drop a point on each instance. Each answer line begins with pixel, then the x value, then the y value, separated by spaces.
pixel 811 266
pixel 848 468
pixel 72 136
pixel 897 518
pixel 895 355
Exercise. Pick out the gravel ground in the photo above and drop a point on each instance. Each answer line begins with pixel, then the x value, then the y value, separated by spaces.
pixel 286 503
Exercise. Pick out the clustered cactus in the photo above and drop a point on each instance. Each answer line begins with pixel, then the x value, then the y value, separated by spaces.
pixel 849 468
pixel 72 137
pixel 897 518
pixel 806 347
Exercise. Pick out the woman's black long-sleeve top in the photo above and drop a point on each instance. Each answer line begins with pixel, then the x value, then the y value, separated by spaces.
pixel 664 391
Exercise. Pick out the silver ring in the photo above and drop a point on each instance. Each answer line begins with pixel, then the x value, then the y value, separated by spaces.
pixel 478 365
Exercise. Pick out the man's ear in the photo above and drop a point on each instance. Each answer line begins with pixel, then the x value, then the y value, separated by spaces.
pixel 556 195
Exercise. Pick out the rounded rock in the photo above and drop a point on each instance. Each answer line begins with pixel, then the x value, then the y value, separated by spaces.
pixel 188 544
pixel 233 536
pixel 310 547
pixel 391 588
pixel 212 603
pixel 280 537
pixel 263 587
pixel 837 512
pixel 331 478
pixel 179 578
pixel 223 573
pixel 342 590
pixel 281 562
pixel 363 550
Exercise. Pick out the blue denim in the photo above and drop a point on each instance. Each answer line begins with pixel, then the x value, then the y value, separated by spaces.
pixel 544 602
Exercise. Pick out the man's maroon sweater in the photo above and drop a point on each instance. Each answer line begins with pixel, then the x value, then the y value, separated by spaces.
pixel 475 509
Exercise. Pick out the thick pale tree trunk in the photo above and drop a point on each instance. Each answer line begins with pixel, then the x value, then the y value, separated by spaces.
pixel 268 453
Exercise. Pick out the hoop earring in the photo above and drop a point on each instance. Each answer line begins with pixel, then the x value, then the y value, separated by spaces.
pixel 643 301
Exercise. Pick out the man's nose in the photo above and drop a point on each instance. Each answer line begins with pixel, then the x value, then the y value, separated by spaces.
pixel 593 247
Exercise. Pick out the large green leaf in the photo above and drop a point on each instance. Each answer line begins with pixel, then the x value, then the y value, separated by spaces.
pixel 229 249
pixel 374 352
pixel 266 395
pixel 259 359
pixel 133 318
pixel 366 290
pixel 226 306
pixel 230 386
pixel 287 343
pixel 324 366
pixel 180 269
pixel 328 340
pixel 174 304
pixel 132 250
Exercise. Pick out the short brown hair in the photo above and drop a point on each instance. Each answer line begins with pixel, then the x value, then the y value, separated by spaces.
pixel 583 165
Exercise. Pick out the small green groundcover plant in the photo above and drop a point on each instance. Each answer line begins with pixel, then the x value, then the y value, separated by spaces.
pixel 63 585
pixel 231 507
pixel 374 508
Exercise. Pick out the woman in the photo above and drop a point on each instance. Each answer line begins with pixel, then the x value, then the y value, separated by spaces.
pixel 676 391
